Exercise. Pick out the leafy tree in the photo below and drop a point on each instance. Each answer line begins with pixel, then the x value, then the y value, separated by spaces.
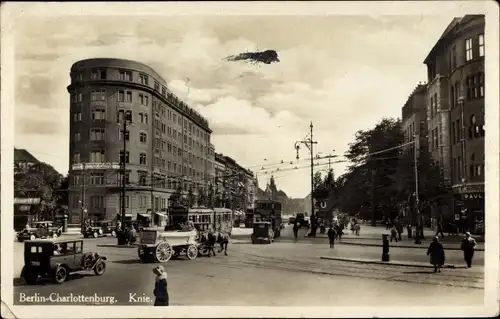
pixel 176 198
pixel 190 198
pixel 42 181
pixel 210 200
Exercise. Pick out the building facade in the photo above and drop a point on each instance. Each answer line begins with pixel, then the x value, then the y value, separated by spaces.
pixel 414 119
pixel 455 114
pixel 123 111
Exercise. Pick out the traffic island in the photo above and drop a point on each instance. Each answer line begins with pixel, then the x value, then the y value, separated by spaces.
pixel 118 246
pixel 391 263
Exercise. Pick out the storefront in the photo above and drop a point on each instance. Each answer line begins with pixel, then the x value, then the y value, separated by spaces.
pixel 469 210
pixel 25 211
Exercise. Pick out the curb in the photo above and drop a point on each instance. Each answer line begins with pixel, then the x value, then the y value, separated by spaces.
pixel 391 263
pixel 405 246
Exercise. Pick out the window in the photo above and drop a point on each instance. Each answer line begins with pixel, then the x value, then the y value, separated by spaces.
pixel 97 134
pixel 125 76
pixel 77 137
pixel 468 49
pixel 97 179
pixel 93 75
pixel 80 97
pixel 125 134
pixel 76 158
pixel 78 247
pixel 142 179
pixel 124 115
pixel 76 201
pixel 143 118
pixel 97 157
pixel 97 201
pixel 480 41
pixel 121 96
pixel 143 138
pixel 143 99
pixel 98 95
pixel 157 86
pixel 102 74
pixel 128 97
pixel 98 114
pixel 142 159
pixel 144 79
pixel 163 91
pixel 120 178
pixel 481 85
pixel 77 117
pixel 76 180
pixel 74 98
pixel 127 201
pixel 127 157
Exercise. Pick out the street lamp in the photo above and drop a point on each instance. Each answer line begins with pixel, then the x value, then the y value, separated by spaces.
pixel 309 142
pixel 127 120
pixel 417 204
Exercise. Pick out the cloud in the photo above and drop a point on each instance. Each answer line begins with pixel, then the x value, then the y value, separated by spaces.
pixel 342 73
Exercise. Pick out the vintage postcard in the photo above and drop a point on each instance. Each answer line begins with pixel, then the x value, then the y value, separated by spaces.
pixel 241 159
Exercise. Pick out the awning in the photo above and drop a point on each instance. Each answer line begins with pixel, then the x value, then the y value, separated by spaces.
pixel 143 215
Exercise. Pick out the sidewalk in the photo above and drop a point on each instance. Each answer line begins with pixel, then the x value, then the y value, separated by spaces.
pixel 395 263
pixel 405 243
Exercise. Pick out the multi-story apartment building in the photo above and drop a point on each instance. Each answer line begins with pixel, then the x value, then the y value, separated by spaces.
pixel 414 119
pixel 251 186
pixel 25 206
pixel 123 111
pixel 455 114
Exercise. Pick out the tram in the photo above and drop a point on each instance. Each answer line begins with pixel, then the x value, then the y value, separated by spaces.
pixel 219 219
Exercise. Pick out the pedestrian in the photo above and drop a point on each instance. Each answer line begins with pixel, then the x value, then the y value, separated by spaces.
pixel 357 228
pixel 399 229
pixel 331 236
pixel 161 288
pixel 339 232
pixel 440 228
pixel 295 230
pixel 436 252
pixel 468 246
pixel 394 234
pixel 211 243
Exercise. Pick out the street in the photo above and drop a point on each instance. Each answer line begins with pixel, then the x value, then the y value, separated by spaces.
pixel 252 274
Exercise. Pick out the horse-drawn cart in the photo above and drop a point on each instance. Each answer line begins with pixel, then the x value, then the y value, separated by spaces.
pixel 160 246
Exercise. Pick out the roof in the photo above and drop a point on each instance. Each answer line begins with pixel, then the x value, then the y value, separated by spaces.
pixel 449 30
pixel 52 241
pixel 22 155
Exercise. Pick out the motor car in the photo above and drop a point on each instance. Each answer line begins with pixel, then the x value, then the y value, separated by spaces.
pixel 99 229
pixel 262 233
pixel 302 220
pixel 57 259
pixel 42 229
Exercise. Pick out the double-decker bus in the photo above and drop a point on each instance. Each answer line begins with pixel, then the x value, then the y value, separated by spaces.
pixel 268 211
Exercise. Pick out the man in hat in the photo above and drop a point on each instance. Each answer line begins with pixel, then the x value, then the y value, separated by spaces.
pixel 468 246
pixel 160 291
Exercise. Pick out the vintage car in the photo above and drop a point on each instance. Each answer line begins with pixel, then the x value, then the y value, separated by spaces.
pixel 99 228
pixel 57 259
pixel 159 246
pixel 262 233
pixel 45 229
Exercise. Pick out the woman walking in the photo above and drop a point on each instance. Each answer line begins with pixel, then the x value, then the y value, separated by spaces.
pixel 468 245
pixel 161 289
pixel 436 251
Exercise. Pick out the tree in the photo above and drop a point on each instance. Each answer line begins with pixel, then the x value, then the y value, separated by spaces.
pixel 176 198
pixel 190 198
pixel 202 198
pixel 210 196
pixel 41 181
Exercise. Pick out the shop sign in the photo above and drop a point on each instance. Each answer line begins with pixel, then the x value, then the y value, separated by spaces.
pixel 473 196
pixel 27 201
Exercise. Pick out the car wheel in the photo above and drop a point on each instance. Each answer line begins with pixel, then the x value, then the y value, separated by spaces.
pixel 100 268
pixel 32 237
pixel 96 234
pixel 60 275
pixel 113 233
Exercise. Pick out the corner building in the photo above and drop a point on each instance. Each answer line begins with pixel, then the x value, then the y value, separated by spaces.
pixel 167 144
pixel 455 115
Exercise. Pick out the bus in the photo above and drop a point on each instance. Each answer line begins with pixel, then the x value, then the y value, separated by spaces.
pixel 269 211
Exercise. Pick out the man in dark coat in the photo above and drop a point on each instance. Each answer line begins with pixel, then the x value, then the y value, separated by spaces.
pixel 212 239
pixel 331 236
pixel 161 288
pixel 440 228
pixel 295 230
pixel 468 246
pixel 436 252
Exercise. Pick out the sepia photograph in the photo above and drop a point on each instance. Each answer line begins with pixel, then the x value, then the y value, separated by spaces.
pixel 228 157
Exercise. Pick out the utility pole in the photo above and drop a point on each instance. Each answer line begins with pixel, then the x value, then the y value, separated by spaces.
pixel 82 202
pixel 417 209
pixel 309 142
pixel 124 171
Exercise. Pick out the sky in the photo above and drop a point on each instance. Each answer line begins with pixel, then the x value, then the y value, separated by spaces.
pixel 343 73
